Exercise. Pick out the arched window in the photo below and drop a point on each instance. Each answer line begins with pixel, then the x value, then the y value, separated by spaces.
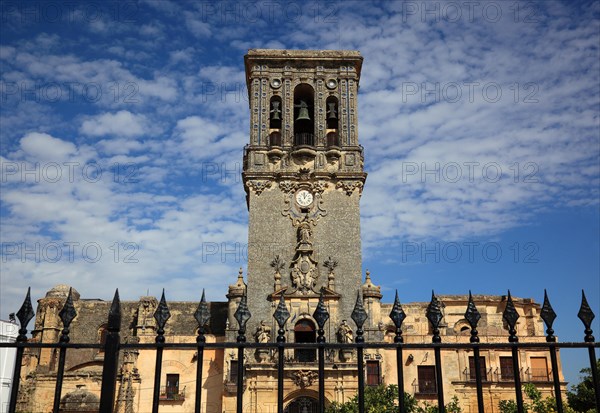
pixel 305 332
pixel 304 115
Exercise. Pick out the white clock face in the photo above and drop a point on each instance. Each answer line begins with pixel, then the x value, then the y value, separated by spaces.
pixel 304 198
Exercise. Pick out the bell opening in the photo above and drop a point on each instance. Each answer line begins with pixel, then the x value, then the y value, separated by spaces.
pixel 304 115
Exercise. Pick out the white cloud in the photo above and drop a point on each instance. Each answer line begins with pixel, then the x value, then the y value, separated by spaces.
pixel 45 147
pixel 121 123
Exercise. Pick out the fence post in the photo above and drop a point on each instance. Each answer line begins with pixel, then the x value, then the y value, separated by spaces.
pixel 25 314
pixel 434 315
pixel 586 315
pixel 202 316
pixel 242 315
pixel 161 315
pixel 472 315
pixel 321 315
pixel 398 316
pixel 67 314
pixel 111 356
pixel 511 316
pixel 359 315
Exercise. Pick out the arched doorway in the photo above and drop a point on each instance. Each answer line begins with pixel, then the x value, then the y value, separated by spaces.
pixel 304 332
pixel 303 405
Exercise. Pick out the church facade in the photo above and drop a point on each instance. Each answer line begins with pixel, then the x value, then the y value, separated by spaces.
pixel 303 175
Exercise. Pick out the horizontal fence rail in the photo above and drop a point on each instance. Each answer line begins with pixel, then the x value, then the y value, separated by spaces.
pixel 479 374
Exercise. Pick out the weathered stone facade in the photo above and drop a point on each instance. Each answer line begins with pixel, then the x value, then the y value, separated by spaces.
pixel 303 175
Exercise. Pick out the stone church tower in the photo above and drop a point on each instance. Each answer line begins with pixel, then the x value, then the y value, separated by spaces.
pixel 303 175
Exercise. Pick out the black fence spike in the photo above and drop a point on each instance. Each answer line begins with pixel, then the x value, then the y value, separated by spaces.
pixel 434 315
pixel 321 315
pixel 242 315
pixel 359 315
pixel 114 314
pixel 586 315
pixel 548 315
pixel 511 316
pixel 25 314
pixel 398 316
pixel 282 313
pixel 67 314
pixel 161 315
pixel 473 316
pixel 202 316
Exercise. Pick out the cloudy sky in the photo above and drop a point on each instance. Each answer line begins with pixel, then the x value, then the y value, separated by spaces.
pixel 123 123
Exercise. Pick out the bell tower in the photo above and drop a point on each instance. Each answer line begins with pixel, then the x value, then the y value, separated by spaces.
pixel 303 176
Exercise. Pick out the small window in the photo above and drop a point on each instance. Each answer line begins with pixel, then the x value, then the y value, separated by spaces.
pixel 539 369
pixel 482 368
pixel 233 371
pixel 426 380
pixel 102 333
pixel 506 368
pixel 373 374
pixel 171 390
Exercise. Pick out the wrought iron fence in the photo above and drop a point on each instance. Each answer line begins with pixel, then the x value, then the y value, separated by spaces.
pixel 113 346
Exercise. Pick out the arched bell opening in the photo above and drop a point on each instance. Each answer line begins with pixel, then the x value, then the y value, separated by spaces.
pixel 275 113
pixel 332 119
pixel 305 332
pixel 275 119
pixel 304 115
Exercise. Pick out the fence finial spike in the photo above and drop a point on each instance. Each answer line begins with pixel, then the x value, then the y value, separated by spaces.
pixel 586 315
pixel 511 316
pixel 114 313
pixel 548 315
pixel 25 314
pixel 161 315
pixel 434 315
pixel 242 315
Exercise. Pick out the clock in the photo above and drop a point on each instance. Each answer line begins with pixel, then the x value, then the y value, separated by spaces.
pixel 304 198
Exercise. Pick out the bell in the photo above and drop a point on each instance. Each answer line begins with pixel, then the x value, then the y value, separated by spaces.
pixel 303 112
pixel 331 111
pixel 275 111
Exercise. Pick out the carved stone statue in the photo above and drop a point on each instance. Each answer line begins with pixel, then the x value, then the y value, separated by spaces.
pixel 263 333
pixel 344 333
pixel 304 233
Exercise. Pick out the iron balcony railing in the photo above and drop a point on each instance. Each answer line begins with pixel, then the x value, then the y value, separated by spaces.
pixel 113 346
pixel 172 393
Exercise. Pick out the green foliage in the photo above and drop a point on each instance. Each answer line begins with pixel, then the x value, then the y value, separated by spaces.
pixel 380 399
pixel 581 397
pixel 452 407
pixel 384 399
pixel 536 403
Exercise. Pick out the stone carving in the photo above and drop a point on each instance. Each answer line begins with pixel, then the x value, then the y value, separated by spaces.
pixel 344 333
pixel 305 271
pixel 349 186
pixel 263 333
pixel 278 264
pixel 288 186
pixel 319 186
pixel 330 264
pixel 304 378
pixel 258 185
pixel 304 174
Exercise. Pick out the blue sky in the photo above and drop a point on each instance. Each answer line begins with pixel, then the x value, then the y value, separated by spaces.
pixel 123 123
